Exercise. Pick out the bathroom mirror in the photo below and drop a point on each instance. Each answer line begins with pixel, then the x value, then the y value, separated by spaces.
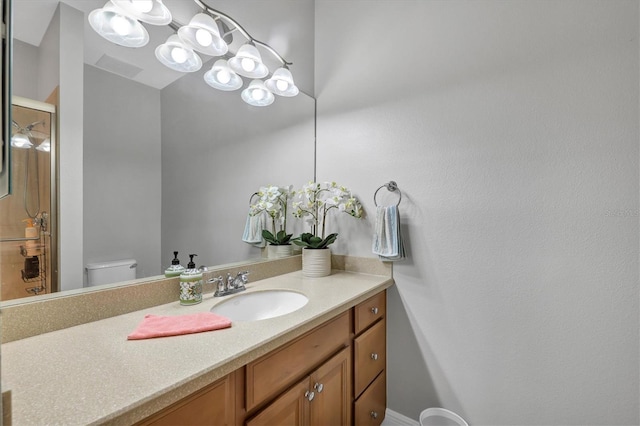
pixel 154 167
pixel 5 135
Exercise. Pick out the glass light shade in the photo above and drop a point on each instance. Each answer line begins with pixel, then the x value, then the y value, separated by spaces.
pixel 20 140
pixel 45 145
pixel 248 62
pixel 177 56
pixel 221 77
pixel 281 83
pixel 150 11
pixel 117 27
pixel 257 94
pixel 202 34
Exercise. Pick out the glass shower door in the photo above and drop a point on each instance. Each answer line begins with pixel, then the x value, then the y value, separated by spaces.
pixel 26 219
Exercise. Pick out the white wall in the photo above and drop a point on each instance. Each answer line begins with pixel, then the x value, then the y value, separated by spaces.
pixel 122 173
pixel 226 141
pixel 511 128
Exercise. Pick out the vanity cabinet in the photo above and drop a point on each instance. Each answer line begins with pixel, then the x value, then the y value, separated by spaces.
pixel 351 385
pixel 322 398
pixel 370 393
pixel 333 375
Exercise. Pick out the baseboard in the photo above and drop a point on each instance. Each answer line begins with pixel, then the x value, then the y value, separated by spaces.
pixel 392 418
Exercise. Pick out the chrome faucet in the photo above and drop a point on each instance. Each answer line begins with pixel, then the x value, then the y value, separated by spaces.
pixel 231 285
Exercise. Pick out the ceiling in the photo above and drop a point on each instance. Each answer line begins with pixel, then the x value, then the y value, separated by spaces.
pixel 286 25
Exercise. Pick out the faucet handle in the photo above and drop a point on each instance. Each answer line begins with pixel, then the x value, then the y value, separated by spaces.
pixel 243 278
pixel 220 288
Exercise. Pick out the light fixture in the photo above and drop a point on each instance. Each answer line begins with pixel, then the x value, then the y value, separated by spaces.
pixel 117 27
pixel 202 34
pixel 174 54
pixel 257 94
pixel 248 62
pixel 150 11
pixel 45 145
pixel 20 140
pixel 209 32
pixel 281 83
pixel 221 77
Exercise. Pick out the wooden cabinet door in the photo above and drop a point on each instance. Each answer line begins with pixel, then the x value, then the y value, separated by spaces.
pixel 289 409
pixel 331 384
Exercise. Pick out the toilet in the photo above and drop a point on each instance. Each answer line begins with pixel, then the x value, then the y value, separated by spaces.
pixel 111 272
pixel 441 417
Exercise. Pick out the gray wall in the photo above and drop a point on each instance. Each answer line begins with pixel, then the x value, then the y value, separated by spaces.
pixel 48 69
pixel 216 152
pixel 70 145
pixel 122 174
pixel 511 128
pixel 25 70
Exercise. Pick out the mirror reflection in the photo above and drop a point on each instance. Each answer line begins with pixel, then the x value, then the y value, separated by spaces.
pixel 27 256
pixel 144 170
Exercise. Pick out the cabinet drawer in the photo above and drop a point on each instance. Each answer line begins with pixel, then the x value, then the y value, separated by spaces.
pixel 371 406
pixel 369 311
pixel 271 374
pixel 213 405
pixel 370 355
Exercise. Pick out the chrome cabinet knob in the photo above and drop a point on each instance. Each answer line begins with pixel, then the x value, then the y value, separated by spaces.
pixel 318 387
pixel 374 311
pixel 373 415
pixel 309 395
pixel 374 356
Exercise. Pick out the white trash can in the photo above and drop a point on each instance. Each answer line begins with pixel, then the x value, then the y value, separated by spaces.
pixel 440 417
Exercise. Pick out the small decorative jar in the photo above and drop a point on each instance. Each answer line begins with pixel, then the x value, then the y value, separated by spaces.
pixel 191 284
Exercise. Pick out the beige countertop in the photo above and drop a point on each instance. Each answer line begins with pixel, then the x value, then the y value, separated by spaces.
pixel 91 373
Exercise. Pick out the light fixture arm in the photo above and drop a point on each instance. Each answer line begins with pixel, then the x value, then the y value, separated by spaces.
pixel 238 27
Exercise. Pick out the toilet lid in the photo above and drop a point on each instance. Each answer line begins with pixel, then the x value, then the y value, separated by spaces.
pixel 441 417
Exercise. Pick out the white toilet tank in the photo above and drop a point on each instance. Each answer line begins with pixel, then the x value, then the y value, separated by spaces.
pixel 111 272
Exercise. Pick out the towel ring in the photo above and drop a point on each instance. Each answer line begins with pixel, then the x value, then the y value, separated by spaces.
pixel 252 195
pixel 391 187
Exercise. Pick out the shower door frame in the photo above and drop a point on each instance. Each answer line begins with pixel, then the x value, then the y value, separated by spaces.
pixel 54 210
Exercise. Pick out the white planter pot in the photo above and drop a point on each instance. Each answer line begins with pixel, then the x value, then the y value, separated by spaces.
pixel 275 252
pixel 316 262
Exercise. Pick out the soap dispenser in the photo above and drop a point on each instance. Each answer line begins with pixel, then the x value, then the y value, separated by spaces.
pixel 191 284
pixel 175 269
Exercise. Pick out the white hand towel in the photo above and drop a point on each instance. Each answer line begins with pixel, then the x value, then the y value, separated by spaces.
pixel 387 236
pixel 253 230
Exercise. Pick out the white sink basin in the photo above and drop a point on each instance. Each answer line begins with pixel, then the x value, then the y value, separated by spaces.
pixel 260 305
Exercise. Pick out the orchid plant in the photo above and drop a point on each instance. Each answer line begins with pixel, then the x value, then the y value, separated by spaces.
pixel 274 201
pixel 315 201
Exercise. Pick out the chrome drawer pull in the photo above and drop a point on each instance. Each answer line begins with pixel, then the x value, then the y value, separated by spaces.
pixel 373 415
pixel 318 387
pixel 374 356
pixel 374 311
pixel 309 395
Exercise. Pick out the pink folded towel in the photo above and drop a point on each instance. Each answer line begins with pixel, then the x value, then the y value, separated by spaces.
pixel 161 326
